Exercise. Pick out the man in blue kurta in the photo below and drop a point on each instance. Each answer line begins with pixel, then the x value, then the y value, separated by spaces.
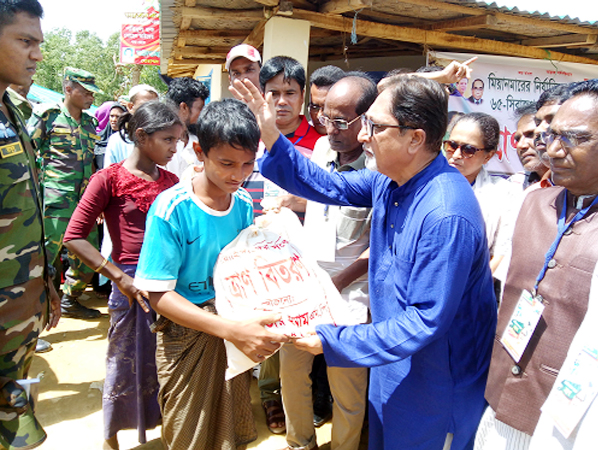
pixel 432 302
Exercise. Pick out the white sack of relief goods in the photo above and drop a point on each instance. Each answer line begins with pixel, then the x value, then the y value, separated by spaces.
pixel 261 272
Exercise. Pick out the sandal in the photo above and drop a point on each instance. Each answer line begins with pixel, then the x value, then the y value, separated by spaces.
pixel 274 416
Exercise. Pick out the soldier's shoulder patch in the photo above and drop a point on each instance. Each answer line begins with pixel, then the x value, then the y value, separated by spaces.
pixel 44 110
pixel 92 119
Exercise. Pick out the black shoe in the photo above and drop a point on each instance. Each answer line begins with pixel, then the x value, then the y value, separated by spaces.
pixel 70 307
pixel 322 410
pixel 42 346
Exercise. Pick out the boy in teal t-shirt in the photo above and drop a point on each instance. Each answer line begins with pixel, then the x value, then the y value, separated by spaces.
pixel 187 227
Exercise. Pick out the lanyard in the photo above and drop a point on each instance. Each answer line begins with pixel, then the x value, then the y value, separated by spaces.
pixel 561 230
pixel 299 140
pixel 331 166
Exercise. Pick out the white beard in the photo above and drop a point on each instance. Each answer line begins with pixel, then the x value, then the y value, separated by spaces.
pixel 370 163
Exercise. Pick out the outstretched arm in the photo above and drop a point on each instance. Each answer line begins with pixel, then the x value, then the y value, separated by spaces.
pixel 451 73
pixel 447 248
pixel 94 201
pixel 313 343
pixel 292 171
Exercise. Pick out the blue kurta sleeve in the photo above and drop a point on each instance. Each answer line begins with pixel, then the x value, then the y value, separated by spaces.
pixel 435 281
pixel 292 171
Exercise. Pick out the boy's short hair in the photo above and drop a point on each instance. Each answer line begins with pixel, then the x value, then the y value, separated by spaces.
pixel 230 122
pixel 289 67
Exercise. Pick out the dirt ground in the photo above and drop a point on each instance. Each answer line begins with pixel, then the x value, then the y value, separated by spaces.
pixel 70 400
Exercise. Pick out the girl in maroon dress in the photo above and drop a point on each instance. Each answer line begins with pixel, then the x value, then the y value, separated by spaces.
pixel 124 192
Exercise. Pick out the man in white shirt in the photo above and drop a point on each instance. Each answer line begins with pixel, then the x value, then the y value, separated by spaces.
pixel 188 96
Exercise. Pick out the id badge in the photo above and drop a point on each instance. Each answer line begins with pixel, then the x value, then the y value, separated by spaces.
pixel 577 389
pixel 522 324
pixel 322 242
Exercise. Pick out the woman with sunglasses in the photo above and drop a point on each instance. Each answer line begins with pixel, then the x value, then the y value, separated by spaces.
pixel 472 142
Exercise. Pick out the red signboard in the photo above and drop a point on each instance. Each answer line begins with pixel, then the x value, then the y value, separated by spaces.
pixel 140 38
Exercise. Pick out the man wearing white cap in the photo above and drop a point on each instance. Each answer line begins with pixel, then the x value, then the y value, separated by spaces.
pixel 244 61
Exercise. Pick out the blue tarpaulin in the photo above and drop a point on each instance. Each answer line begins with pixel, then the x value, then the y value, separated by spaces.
pixel 42 95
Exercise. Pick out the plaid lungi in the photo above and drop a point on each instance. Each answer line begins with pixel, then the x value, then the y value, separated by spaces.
pixel 200 410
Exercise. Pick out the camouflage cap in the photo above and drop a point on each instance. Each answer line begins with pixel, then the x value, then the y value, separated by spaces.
pixel 83 77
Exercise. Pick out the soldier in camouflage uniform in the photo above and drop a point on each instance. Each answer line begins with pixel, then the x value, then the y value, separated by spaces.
pixel 64 136
pixel 25 285
pixel 18 97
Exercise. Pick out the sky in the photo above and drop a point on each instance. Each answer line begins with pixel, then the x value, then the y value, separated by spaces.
pixel 101 17
pixel 104 17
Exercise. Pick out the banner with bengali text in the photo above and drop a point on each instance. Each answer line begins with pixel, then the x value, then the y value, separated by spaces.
pixel 140 35
pixel 508 83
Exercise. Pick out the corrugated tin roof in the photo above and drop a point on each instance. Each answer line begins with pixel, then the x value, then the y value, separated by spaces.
pixel 493 6
pixel 506 25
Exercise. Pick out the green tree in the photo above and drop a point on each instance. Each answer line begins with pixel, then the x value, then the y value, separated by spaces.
pixel 87 51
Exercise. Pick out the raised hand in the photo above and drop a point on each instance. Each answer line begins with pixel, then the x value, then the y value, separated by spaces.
pixel 455 71
pixel 262 108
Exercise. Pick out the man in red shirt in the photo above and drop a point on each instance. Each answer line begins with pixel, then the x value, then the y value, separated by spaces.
pixel 284 79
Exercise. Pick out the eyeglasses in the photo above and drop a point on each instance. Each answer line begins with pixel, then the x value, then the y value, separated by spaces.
pixel 467 150
pixel 371 126
pixel 315 108
pixel 339 124
pixel 568 139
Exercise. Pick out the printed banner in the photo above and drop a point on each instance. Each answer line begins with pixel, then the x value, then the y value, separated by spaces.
pixel 499 85
pixel 140 35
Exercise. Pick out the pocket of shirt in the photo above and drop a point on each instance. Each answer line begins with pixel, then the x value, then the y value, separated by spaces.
pixel 61 139
pixel 352 223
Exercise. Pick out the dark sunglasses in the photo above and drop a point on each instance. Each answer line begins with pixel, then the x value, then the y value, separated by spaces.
pixel 467 150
